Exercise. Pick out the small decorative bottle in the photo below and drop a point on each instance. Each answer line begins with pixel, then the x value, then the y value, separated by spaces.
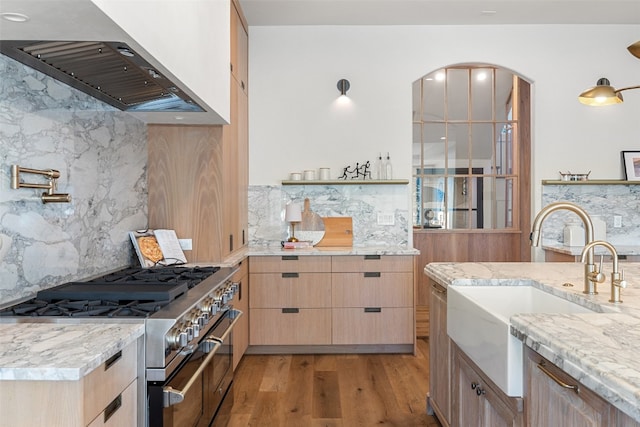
pixel 379 168
pixel 388 169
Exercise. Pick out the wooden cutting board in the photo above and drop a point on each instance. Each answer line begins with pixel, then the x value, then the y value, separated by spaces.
pixel 338 231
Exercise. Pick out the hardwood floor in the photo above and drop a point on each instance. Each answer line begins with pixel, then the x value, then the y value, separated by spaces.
pixel 333 390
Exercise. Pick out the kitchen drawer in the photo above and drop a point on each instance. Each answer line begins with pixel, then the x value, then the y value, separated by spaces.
pixel 290 263
pixel 122 411
pixel 108 380
pixel 302 290
pixel 290 326
pixel 372 289
pixel 372 325
pixel 362 263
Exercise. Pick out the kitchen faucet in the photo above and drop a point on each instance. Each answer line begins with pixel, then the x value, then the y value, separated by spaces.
pixel 591 275
pixel 617 278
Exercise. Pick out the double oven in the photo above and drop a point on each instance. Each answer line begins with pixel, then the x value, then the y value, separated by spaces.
pixel 189 318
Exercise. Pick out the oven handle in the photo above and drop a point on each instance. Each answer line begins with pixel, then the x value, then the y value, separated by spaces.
pixel 172 396
pixel 235 315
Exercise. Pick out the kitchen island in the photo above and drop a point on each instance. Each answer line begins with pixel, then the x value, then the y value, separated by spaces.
pixel 72 374
pixel 598 349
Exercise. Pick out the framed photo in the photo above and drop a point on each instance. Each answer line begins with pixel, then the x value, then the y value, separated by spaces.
pixel 631 162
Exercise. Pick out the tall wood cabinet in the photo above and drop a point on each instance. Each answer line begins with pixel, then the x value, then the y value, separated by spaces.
pixel 235 140
pixel 198 176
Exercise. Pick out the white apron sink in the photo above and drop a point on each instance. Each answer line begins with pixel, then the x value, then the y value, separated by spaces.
pixel 478 322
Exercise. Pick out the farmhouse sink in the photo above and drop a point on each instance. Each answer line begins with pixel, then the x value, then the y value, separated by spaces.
pixel 478 322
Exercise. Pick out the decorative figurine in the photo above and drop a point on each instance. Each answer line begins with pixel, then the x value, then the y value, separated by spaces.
pixel 357 172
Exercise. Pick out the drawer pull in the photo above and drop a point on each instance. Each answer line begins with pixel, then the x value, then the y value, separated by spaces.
pixel 289 257
pixel 367 257
pixel 372 309
pixel 439 289
pixel 112 408
pixel 290 275
pixel 290 310
pixel 372 274
pixel 557 380
pixel 112 360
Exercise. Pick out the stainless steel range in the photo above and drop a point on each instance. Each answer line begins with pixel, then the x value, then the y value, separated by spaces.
pixel 189 318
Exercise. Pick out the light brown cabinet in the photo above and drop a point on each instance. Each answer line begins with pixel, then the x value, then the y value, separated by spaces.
pixel 372 299
pixel 331 300
pixel 440 363
pixel 241 302
pixel 107 396
pixel 290 300
pixel 477 401
pixel 552 398
pixel 235 143
pixel 198 176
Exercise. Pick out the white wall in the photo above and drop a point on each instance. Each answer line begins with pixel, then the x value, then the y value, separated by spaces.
pixel 295 123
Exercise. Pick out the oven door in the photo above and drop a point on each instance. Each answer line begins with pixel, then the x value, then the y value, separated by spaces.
pixel 191 396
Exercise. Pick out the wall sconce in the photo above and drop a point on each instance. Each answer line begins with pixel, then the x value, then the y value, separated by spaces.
pixel 293 215
pixel 50 196
pixel 605 94
pixel 343 86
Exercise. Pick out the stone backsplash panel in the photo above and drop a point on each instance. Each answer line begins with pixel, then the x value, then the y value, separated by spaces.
pixel 599 200
pixel 361 202
pixel 101 155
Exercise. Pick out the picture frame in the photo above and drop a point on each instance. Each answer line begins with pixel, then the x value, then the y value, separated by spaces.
pixel 631 165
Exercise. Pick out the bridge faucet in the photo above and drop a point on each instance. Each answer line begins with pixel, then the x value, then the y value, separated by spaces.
pixel 591 276
pixel 617 278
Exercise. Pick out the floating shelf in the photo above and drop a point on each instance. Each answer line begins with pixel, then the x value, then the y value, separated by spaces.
pixel 590 182
pixel 349 182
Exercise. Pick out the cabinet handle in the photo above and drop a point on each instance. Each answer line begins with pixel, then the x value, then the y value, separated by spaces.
pixel 438 289
pixel 557 380
pixel 290 310
pixel 367 257
pixel 112 360
pixel 290 275
pixel 480 391
pixel 372 309
pixel 230 242
pixel 474 385
pixel 289 257
pixel 112 408
pixel 372 274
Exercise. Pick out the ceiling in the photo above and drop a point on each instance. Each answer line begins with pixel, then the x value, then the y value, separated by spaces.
pixel 439 12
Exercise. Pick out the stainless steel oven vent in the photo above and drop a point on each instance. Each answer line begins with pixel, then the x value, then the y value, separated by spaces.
pixel 109 71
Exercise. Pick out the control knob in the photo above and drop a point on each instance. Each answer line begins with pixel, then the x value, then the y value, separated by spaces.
pixel 177 338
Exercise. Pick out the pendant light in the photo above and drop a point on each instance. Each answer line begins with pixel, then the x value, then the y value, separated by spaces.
pixel 605 94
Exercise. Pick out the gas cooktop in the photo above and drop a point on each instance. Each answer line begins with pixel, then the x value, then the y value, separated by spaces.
pixel 131 292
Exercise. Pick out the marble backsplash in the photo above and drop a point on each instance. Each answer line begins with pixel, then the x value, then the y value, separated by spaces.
pixel 599 200
pixel 361 202
pixel 101 155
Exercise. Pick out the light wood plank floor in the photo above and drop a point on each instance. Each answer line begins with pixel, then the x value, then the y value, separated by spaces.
pixel 333 390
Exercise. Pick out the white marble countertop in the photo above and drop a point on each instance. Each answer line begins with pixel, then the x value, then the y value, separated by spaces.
pixel 346 250
pixel 549 245
pixel 600 349
pixel 60 351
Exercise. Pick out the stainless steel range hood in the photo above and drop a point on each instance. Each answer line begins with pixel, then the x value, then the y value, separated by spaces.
pixel 110 71
pixel 164 63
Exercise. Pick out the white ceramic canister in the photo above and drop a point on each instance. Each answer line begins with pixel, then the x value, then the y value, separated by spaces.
pixel 309 175
pixel 325 174
pixel 295 176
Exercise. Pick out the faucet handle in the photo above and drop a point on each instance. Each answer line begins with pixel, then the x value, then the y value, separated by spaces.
pixel 598 276
pixel 619 282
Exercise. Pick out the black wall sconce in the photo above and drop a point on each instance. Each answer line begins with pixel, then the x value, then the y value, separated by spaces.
pixel 343 86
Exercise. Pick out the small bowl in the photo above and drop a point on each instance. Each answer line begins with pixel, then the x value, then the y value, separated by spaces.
pixel 574 176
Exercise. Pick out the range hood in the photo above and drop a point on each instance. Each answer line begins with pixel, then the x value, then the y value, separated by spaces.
pixel 110 71
pixel 161 64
